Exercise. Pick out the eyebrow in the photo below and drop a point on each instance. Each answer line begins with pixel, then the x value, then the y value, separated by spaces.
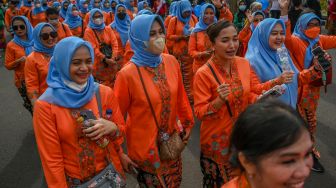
pixel 295 154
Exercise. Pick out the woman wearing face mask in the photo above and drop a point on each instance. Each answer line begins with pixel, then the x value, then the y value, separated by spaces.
pixel 37 14
pixel 37 63
pixel 12 10
pixel 306 37
pixel 93 4
pixel 83 8
pixel 240 16
pixel 62 29
pixel 27 6
pixel 200 47
pixel 244 35
pixel 78 153
pixel 223 88
pixel 161 79
pixel 75 22
pixel 120 27
pixel 179 30
pixel 64 7
pixel 17 51
pixel 271 149
pixel 105 65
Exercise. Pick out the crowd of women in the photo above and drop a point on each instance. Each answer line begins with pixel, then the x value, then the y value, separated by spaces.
pixel 114 86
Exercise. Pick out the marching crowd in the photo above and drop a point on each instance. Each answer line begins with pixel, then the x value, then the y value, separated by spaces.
pixel 114 86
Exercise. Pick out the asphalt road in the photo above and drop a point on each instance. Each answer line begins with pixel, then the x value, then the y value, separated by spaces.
pixel 20 165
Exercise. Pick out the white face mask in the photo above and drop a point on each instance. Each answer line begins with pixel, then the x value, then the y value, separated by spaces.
pixel 98 21
pixel 53 21
pixel 75 86
pixel 156 46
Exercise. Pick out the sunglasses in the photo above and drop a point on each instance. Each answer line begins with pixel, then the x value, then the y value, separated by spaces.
pixel 45 36
pixel 17 27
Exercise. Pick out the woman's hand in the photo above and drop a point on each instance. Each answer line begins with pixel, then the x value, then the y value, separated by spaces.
pixel 223 91
pixel 127 164
pixel 20 60
pixel 100 128
pixel 286 77
pixel 284 4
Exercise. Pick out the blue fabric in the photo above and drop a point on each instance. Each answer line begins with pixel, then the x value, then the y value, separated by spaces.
pixel 184 6
pixel 26 4
pixel 144 11
pixel 38 46
pixel 172 8
pixel 81 8
pixel 37 10
pixel 113 9
pixel 141 5
pixel 109 9
pixel 26 44
pixel 59 93
pixel 128 5
pixel 93 25
pixel 92 4
pixel 63 12
pixel 266 62
pixel 44 7
pixel 139 40
pixel 253 15
pixel 201 26
pixel 56 4
pixel 71 20
pixel 300 27
pixel 122 26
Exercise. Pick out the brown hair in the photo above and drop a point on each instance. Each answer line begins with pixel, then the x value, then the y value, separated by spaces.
pixel 215 28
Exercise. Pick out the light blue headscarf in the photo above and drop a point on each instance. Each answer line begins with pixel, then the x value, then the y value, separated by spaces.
pixel 109 9
pixel 144 11
pixel 184 6
pixel 201 26
pixel 38 46
pixel 113 9
pixel 71 20
pixel 92 4
pixel 122 26
pixel 128 5
pixel 46 6
pixel 58 92
pixel 258 12
pixel 26 44
pixel 81 8
pixel 56 4
pixel 26 4
pixel 300 27
pixel 93 25
pixel 172 8
pixel 63 12
pixel 266 62
pixel 139 40
pixel 39 9
pixel 141 5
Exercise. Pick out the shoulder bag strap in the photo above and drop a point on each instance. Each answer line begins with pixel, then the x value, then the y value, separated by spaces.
pixel 63 28
pixel 98 98
pixel 147 97
pixel 214 74
pixel 96 36
pixel 82 35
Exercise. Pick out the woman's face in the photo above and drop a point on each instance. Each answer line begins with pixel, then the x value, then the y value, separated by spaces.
pixel 286 168
pixel 19 28
pixel 113 4
pixel 96 4
pixel 145 5
pixel 313 23
pixel 81 65
pixel 277 37
pixel 156 31
pixel 226 43
pixel 209 16
pixel 49 41
pixel 121 9
pixel 186 14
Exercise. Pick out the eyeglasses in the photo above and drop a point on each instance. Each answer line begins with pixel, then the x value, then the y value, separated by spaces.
pixel 17 27
pixel 45 36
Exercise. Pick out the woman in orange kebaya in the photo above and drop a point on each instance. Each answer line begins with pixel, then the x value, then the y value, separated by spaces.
pixel 130 8
pixel 12 10
pixel 17 51
pixel 75 22
pixel 200 47
pixel 271 149
pixel 163 82
pixel 105 65
pixel 77 122
pixel 83 8
pixel 179 30
pixel 64 7
pixel 27 6
pixel 53 17
pixel 37 63
pixel 37 14
pixel 245 34
pixel 172 13
pixel 223 88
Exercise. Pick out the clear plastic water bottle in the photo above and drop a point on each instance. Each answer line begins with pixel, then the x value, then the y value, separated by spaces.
pixel 283 56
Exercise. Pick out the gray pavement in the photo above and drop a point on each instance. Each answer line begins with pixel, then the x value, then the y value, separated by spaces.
pixel 20 165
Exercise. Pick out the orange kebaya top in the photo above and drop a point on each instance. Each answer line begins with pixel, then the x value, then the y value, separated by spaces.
pixel 9 14
pixel 36 19
pixel 14 52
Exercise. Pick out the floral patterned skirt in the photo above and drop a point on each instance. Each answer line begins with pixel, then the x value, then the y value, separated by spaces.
pixel 26 101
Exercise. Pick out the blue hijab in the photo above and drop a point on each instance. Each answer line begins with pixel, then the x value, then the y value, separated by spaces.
pixel 108 9
pixel 144 11
pixel 26 4
pixel 81 8
pixel 184 6
pixel 71 20
pixel 300 27
pixel 122 26
pixel 46 6
pixel 37 10
pixel 128 5
pixel 113 9
pixel 139 40
pixel 141 5
pixel 266 62
pixel 201 26
pixel 258 12
pixel 63 12
pixel 58 92
pixel 26 44
pixel 93 25
pixel 92 4
pixel 56 4
pixel 172 8
pixel 38 46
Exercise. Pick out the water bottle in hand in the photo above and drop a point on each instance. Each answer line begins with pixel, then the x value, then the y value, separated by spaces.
pixel 283 56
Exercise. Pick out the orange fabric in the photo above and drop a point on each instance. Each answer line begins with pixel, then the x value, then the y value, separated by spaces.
pixel 238 182
pixel 217 124
pixel 55 130
pixel 167 20
pixel 25 10
pixel 78 32
pixel 101 72
pixel 199 42
pixel 83 15
pixel 226 14
pixel 14 52
pixel 109 18
pixel 87 18
pixel 244 38
pixel 130 14
pixel 36 19
pixel 141 130
pixel 121 48
pixel 63 31
pixel 9 14
pixel 36 70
